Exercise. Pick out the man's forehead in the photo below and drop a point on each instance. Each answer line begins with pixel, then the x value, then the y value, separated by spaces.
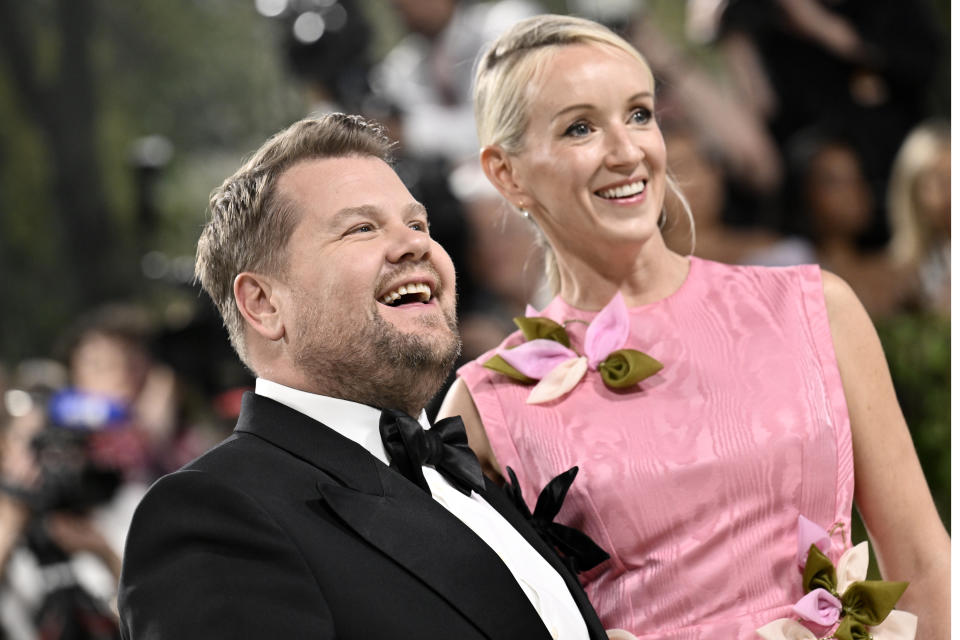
pixel 343 182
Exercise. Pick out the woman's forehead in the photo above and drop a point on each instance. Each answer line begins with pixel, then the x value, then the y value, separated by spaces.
pixel 571 72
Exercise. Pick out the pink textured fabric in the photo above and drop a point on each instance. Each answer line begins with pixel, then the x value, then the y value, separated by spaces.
pixel 694 480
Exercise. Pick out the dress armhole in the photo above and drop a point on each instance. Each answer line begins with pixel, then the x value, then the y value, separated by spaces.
pixel 486 397
pixel 814 303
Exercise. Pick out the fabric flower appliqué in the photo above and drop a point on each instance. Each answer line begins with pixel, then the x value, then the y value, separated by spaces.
pixel 547 357
pixel 841 597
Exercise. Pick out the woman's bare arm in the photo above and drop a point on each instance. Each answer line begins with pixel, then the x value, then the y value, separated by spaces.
pixel 459 403
pixel 891 493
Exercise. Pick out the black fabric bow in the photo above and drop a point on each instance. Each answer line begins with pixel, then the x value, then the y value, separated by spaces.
pixel 575 548
pixel 444 447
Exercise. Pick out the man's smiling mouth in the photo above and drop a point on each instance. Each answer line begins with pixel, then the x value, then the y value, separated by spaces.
pixel 407 293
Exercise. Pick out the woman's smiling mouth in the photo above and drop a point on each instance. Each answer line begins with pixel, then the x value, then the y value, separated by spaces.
pixel 623 191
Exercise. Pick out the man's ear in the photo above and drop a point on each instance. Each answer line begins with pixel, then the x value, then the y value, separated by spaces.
pixel 256 299
pixel 502 174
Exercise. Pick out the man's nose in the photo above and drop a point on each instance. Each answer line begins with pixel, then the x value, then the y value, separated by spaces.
pixel 407 243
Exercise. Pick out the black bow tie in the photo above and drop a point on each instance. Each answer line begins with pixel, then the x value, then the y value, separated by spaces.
pixel 444 446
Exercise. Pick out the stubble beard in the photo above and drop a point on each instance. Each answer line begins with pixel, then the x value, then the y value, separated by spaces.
pixel 376 364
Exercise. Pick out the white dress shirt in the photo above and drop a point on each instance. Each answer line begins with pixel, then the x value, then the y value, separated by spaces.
pixel 540 582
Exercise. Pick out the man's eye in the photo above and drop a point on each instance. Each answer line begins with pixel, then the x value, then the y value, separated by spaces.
pixel 420 226
pixel 577 130
pixel 361 228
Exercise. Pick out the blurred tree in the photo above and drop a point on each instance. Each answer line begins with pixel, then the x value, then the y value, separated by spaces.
pixel 59 98
pixel 80 82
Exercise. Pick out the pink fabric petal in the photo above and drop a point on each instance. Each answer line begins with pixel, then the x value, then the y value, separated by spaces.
pixel 785 629
pixel 537 358
pixel 819 606
pixel 852 566
pixel 530 312
pixel 809 533
pixel 562 379
pixel 898 625
pixel 608 331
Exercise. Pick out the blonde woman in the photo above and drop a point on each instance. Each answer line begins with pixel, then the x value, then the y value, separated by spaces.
pixel 718 414
pixel 918 202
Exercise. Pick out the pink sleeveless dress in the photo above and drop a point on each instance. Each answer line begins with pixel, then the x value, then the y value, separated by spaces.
pixel 693 481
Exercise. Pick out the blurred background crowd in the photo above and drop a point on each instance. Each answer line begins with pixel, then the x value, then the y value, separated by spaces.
pixel 800 131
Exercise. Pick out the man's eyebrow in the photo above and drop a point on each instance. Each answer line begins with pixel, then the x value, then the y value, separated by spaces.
pixel 416 208
pixel 347 213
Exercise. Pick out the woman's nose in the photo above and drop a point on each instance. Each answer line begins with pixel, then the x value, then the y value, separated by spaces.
pixel 623 151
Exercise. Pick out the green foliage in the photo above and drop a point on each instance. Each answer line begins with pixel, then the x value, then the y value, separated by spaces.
pixel 918 352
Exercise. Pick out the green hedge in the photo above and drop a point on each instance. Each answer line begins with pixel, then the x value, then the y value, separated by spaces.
pixel 918 352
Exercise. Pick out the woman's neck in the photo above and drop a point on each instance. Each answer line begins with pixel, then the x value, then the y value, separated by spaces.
pixel 642 276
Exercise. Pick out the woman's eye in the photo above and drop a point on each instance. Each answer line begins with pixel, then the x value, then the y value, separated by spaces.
pixel 641 115
pixel 577 130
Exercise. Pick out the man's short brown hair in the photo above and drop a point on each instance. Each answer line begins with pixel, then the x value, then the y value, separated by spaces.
pixel 250 221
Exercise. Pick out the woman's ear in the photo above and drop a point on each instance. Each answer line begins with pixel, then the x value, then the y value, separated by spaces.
pixel 256 300
pixel 501 172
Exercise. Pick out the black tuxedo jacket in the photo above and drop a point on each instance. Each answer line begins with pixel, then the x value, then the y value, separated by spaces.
pixel 289 530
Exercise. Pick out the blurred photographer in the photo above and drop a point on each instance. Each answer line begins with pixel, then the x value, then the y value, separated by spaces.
pixel 58 568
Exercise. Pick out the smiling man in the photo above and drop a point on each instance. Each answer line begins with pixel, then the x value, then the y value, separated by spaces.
pixel 331 512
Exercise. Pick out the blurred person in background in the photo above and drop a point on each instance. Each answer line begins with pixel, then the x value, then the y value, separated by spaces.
pixel 918 203
pixel 59 555
pixel 831 203
pixel 700 175
pixel 333 66
pixel 427 74
pixel 707 462
pixel 859 66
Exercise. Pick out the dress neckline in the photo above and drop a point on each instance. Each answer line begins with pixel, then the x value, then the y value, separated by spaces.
pixel 559 309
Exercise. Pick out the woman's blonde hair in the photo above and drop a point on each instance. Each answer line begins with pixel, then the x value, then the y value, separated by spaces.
pixel 911 235
pixel 505 71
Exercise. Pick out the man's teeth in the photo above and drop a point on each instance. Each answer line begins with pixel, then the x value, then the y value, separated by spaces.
pixel 623 191
pixel 419 290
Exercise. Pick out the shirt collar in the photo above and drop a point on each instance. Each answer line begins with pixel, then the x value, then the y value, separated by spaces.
pixel 358 422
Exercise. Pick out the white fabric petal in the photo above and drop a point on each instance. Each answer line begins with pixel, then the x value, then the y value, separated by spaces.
pixel 559 381
pixel 852 566
pixel 785 629
pixel 898 625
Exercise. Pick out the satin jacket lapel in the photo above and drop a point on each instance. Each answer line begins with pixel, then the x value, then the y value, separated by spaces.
pixel 395 516
pixel 499 501
pixel 440 550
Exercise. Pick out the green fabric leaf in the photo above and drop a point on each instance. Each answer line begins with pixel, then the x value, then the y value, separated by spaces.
pixel 534 328
pixel 626 367
pixel 870 601
pixel 819 572
pixel 498 364
pixel 851 629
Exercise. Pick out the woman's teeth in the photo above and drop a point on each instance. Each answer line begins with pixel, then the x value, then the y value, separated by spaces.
pixel 418 292
pixel 623 191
